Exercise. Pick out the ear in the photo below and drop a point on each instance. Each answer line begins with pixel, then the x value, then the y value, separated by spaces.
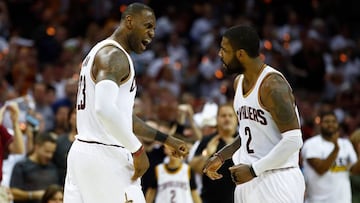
pixel 129 22
pixel 240 54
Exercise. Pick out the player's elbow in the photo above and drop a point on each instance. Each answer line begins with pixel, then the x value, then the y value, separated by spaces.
pixel 293 138
pixel 102 109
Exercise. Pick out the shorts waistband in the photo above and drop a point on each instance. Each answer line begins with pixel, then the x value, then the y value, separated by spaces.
pixel 95 142
pixel 280 169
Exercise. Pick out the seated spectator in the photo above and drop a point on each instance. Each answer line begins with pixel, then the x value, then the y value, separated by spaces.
pixel 53 194
pixel 61 122
pixel 64 143
pixel 32 175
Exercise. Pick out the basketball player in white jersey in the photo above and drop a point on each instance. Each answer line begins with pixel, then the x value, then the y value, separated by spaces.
pixel 173 181
pixel 266 152
pixel 106 160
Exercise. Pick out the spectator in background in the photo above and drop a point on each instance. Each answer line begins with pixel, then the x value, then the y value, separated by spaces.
pixel 53 194
pixel 221 190
pixel 42 106
pixel 62 122
pixel 185 125
pixel 69 98
pixel 9 144
pixel 64 142
pixel 32 175
pixel 328 161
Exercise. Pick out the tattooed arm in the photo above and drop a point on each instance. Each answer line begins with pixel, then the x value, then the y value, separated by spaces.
pixel 276 97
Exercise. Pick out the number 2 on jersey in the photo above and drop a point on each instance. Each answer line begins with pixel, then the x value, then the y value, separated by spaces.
pixel 248 133
pixel 173 194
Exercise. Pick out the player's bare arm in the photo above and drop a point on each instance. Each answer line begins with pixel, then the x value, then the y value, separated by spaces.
pixel 179 147
pixel 215 162
pixel 111 63
pixel 277 98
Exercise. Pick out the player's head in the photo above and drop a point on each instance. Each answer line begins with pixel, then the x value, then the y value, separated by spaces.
pixel 139 22
pixel 238 44
pixel 328 123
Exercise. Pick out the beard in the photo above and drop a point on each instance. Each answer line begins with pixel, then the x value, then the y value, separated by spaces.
pixel 234 66
pixel 327 133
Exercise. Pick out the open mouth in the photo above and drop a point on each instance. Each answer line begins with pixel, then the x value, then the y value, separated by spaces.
pixel 145 42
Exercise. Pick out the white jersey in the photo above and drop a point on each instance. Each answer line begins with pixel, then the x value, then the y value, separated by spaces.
pixel 334 185
pixel 88 126
pixel 173 186
pixel 258 131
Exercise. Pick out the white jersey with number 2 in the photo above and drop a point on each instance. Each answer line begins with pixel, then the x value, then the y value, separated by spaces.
pixel 258 131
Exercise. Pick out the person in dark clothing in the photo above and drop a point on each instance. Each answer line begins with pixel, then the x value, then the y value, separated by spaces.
pixel 221 190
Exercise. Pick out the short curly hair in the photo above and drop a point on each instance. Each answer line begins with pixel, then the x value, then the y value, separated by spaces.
pixel 244 37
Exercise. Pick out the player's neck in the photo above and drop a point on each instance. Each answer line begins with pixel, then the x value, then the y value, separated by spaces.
pixel 254 69
pixel 252 74
pixel 174 163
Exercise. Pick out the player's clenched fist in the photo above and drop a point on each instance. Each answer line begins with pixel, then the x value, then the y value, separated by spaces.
pixel 178 147
pixel 141 163
pixel 241 173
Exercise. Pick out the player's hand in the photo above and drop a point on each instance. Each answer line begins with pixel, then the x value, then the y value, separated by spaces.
pixel 177 147
pixel 240 173
pixel 212 166
pixel 141 164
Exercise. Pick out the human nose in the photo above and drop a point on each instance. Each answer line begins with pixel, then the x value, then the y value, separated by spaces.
pixel 152 33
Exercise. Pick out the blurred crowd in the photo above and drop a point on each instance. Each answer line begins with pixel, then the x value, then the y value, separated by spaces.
pixel 314 43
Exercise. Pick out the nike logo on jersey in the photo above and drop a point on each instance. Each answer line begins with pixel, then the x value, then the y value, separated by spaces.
pixel 133 85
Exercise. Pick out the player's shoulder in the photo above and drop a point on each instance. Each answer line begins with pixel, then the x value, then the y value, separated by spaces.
pixel 274 81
